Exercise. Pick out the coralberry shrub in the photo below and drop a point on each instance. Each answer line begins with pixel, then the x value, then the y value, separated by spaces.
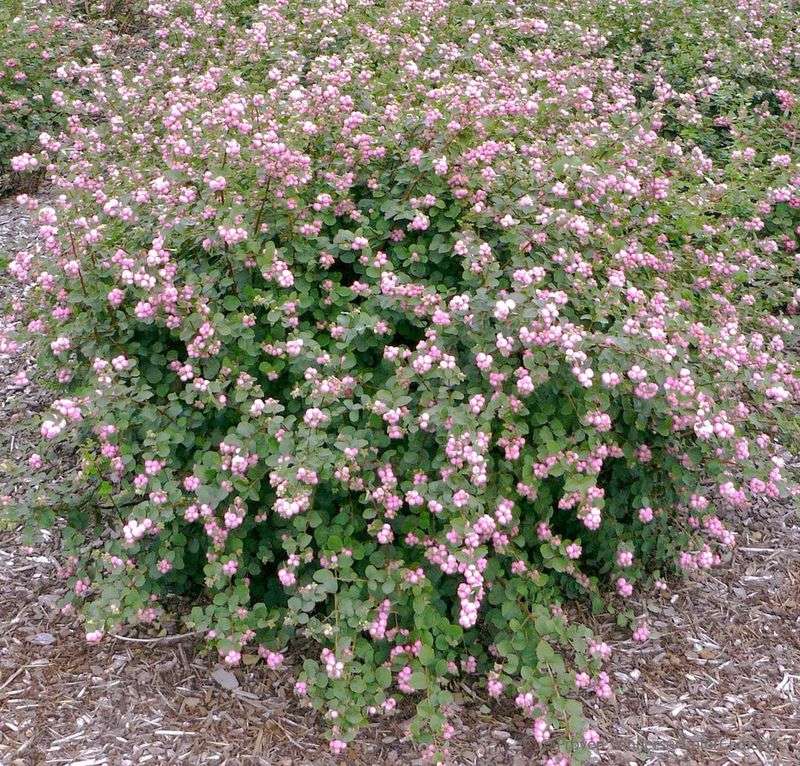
pixel 38 39
pixel 394 326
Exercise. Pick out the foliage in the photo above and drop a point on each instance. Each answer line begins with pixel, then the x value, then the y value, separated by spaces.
pixel 395 326
pixel 38 41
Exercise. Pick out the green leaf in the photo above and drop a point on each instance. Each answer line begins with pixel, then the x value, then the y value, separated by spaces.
pixel 358 685
pixel 544 651
pixel 384 677
pixel 426 655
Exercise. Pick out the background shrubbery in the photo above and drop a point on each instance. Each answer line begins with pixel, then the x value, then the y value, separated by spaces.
pixel 41 40
pixel 36 39
pixel 396 326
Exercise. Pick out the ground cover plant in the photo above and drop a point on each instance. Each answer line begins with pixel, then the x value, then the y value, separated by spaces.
pixel 37 40
pixel 390 328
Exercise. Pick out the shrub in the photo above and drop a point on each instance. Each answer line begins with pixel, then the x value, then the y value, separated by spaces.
pixel 38 40
pixel 396 326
